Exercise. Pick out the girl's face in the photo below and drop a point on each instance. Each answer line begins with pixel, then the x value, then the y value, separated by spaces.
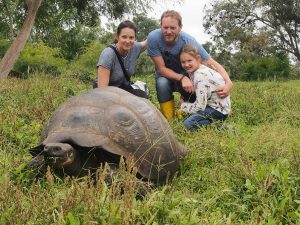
pixel 189 63
pixel 125 39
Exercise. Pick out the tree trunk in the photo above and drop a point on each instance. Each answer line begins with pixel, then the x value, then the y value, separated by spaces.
pixel 13 53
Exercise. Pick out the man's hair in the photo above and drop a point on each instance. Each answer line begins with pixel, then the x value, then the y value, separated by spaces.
pixel 174 14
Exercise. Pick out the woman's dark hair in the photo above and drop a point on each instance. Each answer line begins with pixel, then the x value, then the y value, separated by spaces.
pixel 122 25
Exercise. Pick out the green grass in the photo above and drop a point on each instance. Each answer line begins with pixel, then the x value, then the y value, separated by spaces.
pixel 248 177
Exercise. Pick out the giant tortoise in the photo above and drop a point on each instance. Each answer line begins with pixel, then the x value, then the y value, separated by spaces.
pixel 104 125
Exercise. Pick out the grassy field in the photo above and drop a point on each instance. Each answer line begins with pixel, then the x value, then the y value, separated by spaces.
pixel 250 176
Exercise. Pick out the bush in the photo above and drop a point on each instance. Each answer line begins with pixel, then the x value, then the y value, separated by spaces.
pixel 265 68
pixel 84 67
pixel 40 58
pixel 144 65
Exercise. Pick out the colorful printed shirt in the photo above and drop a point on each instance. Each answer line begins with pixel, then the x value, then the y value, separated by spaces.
pixel 206 81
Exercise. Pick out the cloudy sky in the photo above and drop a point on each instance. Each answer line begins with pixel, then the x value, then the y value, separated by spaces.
pixel 192 15
pixel 191 12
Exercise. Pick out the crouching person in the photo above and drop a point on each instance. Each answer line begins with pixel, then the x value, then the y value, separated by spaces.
pixel 208 106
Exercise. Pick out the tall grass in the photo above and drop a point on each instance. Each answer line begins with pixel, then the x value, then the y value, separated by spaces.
pixel 250 176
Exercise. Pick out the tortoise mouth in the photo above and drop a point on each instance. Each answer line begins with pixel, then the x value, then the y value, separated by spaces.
pixel 59 161
pixel 59 154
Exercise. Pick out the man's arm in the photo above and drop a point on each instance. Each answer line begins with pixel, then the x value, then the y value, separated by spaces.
pixel 225 90
pixel 170 74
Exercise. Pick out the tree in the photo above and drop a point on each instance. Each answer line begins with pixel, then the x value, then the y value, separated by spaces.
pixel 236 22
pixel 12 54
pixel 63 14
pixel 9 13
pixel 144 26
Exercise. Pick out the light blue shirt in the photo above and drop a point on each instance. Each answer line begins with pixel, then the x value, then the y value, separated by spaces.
pixel 158 47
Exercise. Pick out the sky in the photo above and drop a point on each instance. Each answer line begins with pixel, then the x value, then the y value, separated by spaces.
pixel 191 12
pixel 192 16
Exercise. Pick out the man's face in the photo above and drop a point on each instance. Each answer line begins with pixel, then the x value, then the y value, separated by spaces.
pixel 170 29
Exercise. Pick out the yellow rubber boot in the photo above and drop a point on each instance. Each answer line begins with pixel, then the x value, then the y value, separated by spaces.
pixel 167 109
pixel 180 114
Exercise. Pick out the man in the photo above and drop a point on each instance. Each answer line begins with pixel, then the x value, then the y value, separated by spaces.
pixel 164 46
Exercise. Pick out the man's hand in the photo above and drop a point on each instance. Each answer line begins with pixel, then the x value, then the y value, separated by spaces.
pixel 225 90
pixel 187 85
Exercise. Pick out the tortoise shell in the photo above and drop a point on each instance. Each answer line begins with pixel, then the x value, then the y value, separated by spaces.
pixel 113 120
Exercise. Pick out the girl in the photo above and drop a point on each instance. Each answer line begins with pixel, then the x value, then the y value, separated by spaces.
pixel 208 106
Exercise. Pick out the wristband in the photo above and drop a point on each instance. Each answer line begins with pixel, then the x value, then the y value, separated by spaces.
pixel 181 78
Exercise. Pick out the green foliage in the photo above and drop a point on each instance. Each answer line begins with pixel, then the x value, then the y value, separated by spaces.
pixel 3 47
pixel 72 41
pixel 55 19
pixel 246 177
pixel 107 38
pixel 144 26
pixel 67 25
pixel 236 22
pixel 40 58
pixel 10 13
pixel 84 67
pixel 249 65
pixel 144 65
pixel 264 68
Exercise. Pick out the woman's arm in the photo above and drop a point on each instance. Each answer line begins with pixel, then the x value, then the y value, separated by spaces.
pixel 103 76
pixel 144 45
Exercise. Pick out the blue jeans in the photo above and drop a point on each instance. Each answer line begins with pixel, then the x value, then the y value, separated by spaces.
pixel 203 118
pixel 165 88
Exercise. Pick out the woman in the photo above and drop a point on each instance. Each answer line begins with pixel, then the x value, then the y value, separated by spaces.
pixel 109 69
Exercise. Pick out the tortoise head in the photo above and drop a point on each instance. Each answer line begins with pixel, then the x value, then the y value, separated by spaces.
pixel 59 154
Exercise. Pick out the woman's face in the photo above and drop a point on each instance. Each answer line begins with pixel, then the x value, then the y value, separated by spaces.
pixel 126 39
